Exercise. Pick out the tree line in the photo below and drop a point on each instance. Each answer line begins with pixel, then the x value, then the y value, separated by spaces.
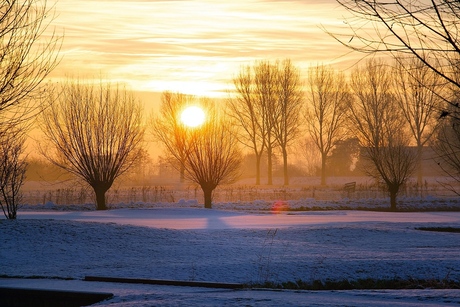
pixel 380 103
pixel 96 130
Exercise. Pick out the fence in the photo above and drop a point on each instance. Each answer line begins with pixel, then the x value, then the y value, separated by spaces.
pixel 228 193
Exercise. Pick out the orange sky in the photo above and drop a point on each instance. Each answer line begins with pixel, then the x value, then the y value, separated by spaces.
pixel 192 47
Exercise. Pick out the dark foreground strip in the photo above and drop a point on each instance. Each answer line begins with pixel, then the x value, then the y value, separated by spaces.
pixel 164 282
pixel 440 229
pixel 17 297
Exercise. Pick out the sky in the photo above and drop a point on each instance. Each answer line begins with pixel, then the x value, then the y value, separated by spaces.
pixel 193 47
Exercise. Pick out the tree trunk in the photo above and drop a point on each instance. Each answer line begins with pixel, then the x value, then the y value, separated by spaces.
pixel 285 167
pixel 12 210
pixel 393 193
pixel 100 198
pixel 258 158
pixel 323 168
pixel 270 166
pixel 419 165
pixel 207 192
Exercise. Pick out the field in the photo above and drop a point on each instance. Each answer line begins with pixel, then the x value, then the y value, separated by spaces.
pixel 253 243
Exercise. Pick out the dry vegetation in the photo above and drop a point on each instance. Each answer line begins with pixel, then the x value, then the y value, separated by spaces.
pixel 302 189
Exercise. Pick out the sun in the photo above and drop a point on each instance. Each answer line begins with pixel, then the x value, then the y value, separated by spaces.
pixel 192 116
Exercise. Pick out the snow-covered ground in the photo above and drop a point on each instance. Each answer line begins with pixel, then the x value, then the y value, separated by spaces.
pixel 182 242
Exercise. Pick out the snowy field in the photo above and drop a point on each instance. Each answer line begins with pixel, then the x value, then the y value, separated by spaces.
pixel 182 242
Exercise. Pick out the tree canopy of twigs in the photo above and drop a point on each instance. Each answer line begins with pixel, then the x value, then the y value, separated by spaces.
pixel 249 113
pixel 212 153
pixel 287 110
pixel 95 131
pixel 167 128
pixel 266 93
pixel 27 57
pixel 380 127
pixel 415 87
pixel 328 97
pixel 12 170
pixel 447 147
pixel 428 30
pixel 266 105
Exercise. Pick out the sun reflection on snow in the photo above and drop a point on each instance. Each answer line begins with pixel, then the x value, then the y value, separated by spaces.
pixel 279 207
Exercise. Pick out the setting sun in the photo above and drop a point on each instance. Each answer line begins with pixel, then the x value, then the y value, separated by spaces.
pixel 192 116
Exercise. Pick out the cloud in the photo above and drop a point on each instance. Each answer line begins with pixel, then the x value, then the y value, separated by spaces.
pixel 158 45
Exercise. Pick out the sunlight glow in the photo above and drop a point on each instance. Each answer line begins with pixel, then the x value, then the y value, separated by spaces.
pixel 192 116
pixel 192 47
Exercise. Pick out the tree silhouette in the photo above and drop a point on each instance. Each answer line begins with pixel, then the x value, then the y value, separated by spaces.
pixel 428 30
pixel 266 92
pixel 288 109
pixel 12 169
pixel 95 130
pixel 26 57
pixel 447 146
pixel 328 98
pixel 167 128
pixel 267 107
pixel 380 127
pixel 248 112
pixel 212 154
pixel 415 87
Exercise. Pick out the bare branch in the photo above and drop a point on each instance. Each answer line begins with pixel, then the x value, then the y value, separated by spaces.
pixel 286 115
pixel 26 58
pixel 96 132
pixel 416 88
pixel 167 129
pixel 213 155
pixel 12 170
pixel 379 125
pixel 328 98
pixel 428 30
pixel 267 107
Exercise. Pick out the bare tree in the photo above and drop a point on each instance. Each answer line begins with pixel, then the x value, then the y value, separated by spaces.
pixel 265 78
pixel 267 109
pixel 328 98
pixel 12 170
pixel 415 87
pixel 26 57
pixel 213 157
pixel 168 129
pixel 426 29
pixel 287 110
pixel 447 147
pixel 95 130
pixel 380 127
pixel 248 113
